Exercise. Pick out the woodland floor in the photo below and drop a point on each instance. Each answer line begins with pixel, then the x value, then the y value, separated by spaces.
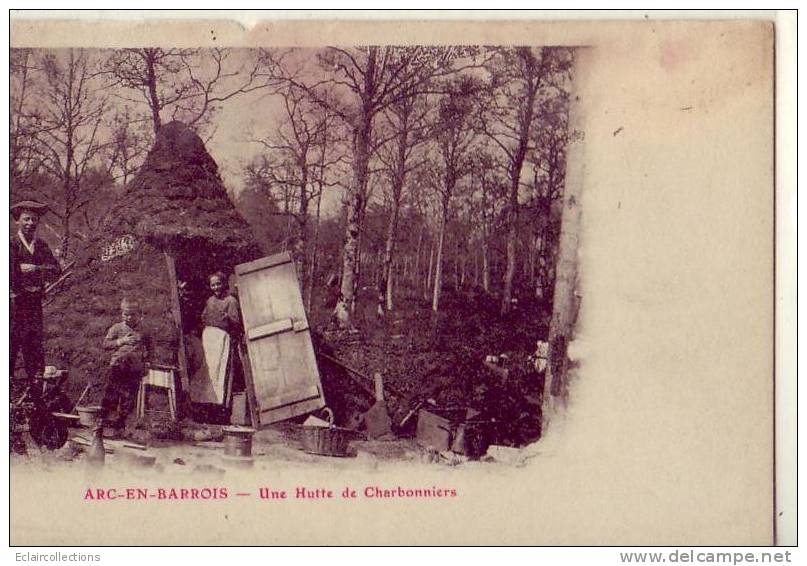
pixel 438 359
pixel 441 357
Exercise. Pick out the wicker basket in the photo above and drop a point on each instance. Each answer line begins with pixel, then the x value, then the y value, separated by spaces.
pixel 326 441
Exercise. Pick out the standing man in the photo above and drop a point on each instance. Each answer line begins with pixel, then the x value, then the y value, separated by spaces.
pixel 32 267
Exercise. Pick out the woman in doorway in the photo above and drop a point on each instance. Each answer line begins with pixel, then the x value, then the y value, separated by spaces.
pixel 221 373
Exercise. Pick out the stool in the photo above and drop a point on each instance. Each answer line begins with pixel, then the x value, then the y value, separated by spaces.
pixel 161 377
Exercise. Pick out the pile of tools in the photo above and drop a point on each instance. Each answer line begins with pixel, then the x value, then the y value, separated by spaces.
pixel 437 428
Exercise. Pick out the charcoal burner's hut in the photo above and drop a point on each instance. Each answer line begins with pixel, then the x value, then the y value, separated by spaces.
pixel 174 223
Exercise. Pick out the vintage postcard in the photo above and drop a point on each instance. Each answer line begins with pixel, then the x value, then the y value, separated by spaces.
pixel 454 282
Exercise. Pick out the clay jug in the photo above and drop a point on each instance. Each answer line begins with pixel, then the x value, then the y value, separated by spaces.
pixel 96 453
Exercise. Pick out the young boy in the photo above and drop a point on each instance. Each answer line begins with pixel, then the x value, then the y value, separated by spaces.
pixel 127 365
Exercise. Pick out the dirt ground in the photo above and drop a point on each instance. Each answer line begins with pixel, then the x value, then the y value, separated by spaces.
pixel 278 445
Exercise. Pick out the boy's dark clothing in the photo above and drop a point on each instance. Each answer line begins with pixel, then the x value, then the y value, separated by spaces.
pixel 127 356
pixel 126 368
pixel 120 395
pixel 27 290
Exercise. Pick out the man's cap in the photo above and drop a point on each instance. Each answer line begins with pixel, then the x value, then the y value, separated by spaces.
pixel 30 206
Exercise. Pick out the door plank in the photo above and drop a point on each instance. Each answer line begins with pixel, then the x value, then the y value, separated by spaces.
pixel 290 411
pixel 263 263
pixel 293 396
pixel 249 383
pixel 267 330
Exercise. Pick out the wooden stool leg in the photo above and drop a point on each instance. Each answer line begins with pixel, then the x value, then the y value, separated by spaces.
pixel 174 395
pixel 172 404
pixel 141 401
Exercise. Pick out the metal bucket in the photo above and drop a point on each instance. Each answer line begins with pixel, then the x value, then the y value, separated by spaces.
pixel 238 441
pixel 89 416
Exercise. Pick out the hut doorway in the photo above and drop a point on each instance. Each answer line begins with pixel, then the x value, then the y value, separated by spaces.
pixel 192 271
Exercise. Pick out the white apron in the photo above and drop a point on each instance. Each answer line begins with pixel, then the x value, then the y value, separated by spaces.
pixel 211 383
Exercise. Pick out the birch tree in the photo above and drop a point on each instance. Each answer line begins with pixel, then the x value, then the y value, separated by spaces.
pixel 357 84
pixel 488 195
pixel 454 135
pixel 519 75
pixel 549 167
pixel 406 122
pixel 296 160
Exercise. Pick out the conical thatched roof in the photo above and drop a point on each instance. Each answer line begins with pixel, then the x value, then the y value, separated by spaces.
pixel 178 196
pixel 175 205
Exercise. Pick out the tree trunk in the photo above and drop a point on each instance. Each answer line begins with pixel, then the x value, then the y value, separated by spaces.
pixel 476 269
pixel 350 254
pixel 314 252
pixel 65 241
pixel 516 163
pixel 430 273
pixel 540 265
pixel 388 290
pixel 69 194
pixel 389 248
pixel 416 271
pixel 485 265
pixel 438 269
pixel 512 233
pixel 301 245
pixel 463 262
pixel 360 264
pixel 287 215
pixel 154 99
pixel 510 271
pixel 457 268
pixel 16 169
pixel 565 301
pixel 301 255
pixel 399 177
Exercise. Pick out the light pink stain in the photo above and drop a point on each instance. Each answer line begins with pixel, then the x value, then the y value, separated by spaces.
pixel 673 53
